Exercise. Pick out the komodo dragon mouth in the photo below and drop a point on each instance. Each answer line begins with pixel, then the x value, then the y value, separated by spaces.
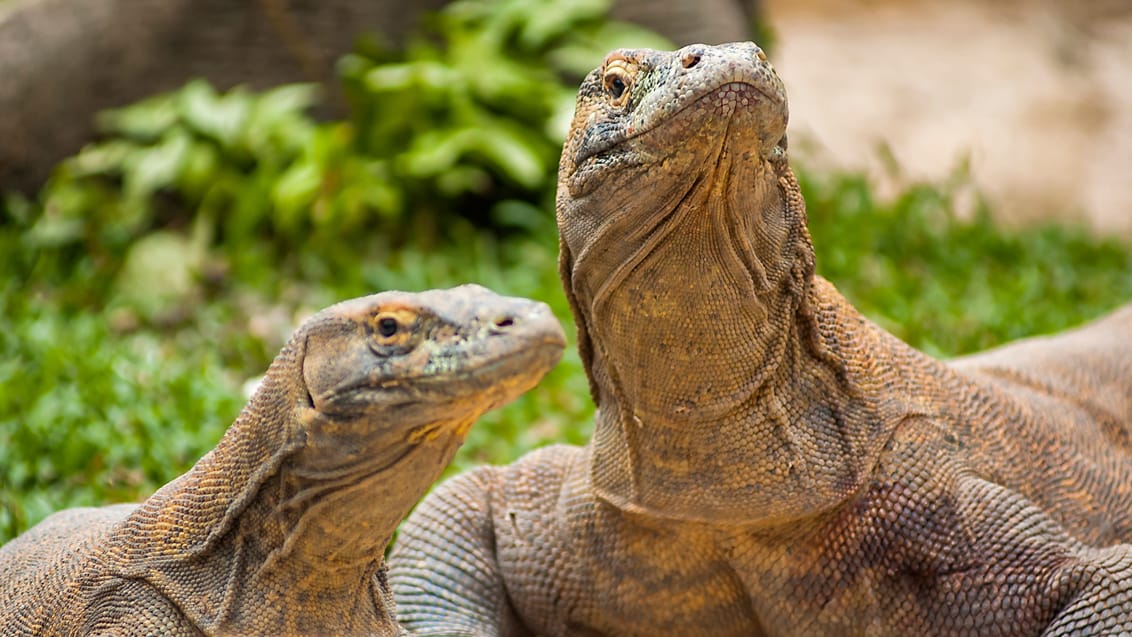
pixel 478 374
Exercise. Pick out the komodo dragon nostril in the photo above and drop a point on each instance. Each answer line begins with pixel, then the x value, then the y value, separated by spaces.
pixel 503 323
pixel 690 59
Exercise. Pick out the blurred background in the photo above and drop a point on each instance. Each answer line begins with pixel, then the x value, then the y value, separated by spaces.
pixel 181 183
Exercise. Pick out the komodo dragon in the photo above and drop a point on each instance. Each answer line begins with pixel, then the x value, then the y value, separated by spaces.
pixel 280 529
pixel 765 460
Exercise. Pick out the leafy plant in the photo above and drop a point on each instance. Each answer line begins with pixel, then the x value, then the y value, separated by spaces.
pixel 466 121
pixel 477 105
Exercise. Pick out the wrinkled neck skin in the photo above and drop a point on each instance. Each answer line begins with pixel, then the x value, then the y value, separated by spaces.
pixel 718 401
pixel 263 541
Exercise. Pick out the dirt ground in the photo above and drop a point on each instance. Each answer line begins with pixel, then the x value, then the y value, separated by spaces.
pixel 1034 96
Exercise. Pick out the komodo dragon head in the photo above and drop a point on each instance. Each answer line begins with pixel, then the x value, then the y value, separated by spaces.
pixel 390 374
pixel 687 262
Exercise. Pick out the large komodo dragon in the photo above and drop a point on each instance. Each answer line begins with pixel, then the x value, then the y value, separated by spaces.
pixel 280 529
pixel 765 460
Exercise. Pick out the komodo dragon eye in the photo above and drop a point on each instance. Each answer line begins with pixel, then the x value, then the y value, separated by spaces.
pixel 615 87
pixel 617 79
pixel 393 327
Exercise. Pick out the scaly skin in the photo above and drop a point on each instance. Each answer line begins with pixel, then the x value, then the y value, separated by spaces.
pixel 765 460
pixel 281 528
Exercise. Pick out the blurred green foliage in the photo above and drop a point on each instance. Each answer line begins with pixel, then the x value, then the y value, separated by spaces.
pixel 85 413
pixel 162 267
pixel 465 122
pixel 950 286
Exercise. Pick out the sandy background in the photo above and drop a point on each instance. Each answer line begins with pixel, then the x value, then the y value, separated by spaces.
pixel 1034 96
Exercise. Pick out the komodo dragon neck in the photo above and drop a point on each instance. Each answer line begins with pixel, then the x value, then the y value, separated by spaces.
pixel 296 504
pixel 673 182
pixel 270 527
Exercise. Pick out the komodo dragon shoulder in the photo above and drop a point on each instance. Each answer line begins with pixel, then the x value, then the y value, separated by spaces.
pixel 281 528
pixel 765 460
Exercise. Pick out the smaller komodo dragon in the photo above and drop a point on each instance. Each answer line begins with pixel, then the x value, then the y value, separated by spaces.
pixel 765 460
pixel 280 529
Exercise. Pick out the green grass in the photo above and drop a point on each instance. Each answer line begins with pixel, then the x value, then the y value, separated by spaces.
pixel 95 409
pixel 951 287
